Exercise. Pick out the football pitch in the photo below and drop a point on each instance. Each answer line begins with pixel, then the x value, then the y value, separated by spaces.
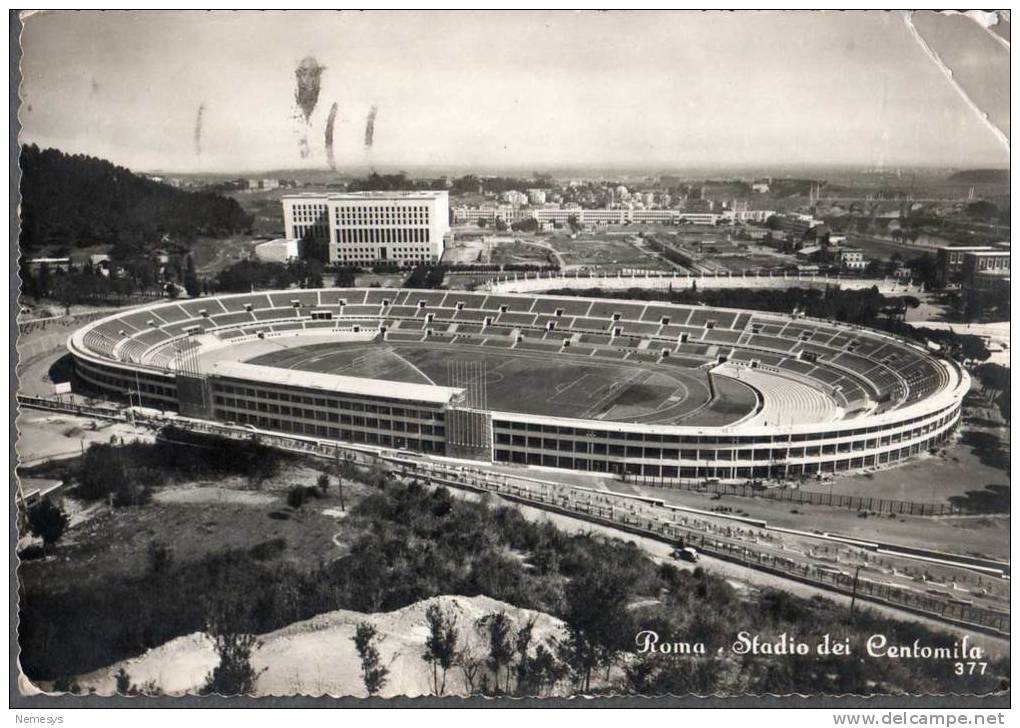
pixel 539 384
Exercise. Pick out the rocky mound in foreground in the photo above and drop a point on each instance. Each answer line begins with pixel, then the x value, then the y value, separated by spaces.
pixel 317 656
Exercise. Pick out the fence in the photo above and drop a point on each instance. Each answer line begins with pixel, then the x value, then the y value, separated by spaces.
pixel 870 504
pixel 73 320
pixel 634 278
pixel 71 407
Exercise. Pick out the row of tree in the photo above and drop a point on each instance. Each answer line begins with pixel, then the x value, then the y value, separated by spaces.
pixel 73 201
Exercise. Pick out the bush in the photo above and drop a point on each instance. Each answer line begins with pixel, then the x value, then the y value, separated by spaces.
pixel 296 497
pixel 107 469
pixel 47 521
pixel 32 552
pixel 268 549
pixel 159 557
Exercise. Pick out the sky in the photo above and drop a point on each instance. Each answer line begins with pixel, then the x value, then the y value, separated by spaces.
pixel 531 89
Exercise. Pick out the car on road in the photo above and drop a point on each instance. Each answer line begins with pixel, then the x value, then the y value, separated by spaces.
pixel 686 554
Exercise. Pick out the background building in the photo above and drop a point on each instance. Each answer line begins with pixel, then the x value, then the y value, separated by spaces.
pixel 986 270
pixel 852 258
pixel 960 263
pixel 305 216
pixel 363 228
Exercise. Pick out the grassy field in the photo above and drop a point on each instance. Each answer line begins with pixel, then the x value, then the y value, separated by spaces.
pixel 216 516
pixel 605 251
pixel 212 255
pixel 537 383
pixel 519 252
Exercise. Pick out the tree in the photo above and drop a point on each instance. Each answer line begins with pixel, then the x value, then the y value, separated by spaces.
pixel 311 248
pixel 599 626
pixel 527 225
pixel 440 645
pixel 366 639
pixel 159 557
pixel 528 673
pixel 471 661
pixel 972 347
pixel 296 496
pixel 235 674
pixel 47 521
pixel 322 483
pixel 123 682
pixel 191 284
pixel 426 276
pixel 498 631
pixel 482 222
pixel 345 277
pixel 42 284
pixel 994 380
pixel 79 201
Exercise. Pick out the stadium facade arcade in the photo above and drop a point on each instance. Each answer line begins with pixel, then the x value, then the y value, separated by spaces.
pixel 901 399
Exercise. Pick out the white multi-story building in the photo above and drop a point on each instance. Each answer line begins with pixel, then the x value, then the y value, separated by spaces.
pixel 490 213
pixel 699 218
pixel 756 216
pixel 362 228
pixel 536 196
pixel 852 259
pixel 306 215
pixel 514 197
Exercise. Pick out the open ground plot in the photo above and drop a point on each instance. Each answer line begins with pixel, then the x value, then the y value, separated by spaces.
pixel 518 252
pixel 212 255
pixel 928 479
pixel 199 518
pixel 46 435
pixel 609 252
pixel 539 384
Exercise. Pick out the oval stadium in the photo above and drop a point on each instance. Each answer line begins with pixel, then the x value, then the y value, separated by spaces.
pixel 654 392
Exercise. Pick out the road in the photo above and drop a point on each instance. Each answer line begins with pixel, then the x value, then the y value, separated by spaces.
pixel 744 578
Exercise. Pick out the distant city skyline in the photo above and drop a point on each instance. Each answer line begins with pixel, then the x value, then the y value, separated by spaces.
pixel 194 92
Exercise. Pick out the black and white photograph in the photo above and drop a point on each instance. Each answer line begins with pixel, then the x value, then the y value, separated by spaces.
pixel 524 358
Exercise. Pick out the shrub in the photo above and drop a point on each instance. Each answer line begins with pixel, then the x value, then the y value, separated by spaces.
pixel 268 549
pixel 159 557
pixel 296 497
pixel 47 521
pixel 31 553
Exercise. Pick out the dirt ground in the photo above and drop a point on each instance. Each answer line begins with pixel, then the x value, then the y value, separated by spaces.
pixel 317 656
pixel 928 479
pixel 43 435
pixel 213 255
pixel 464 250
pixel 199 518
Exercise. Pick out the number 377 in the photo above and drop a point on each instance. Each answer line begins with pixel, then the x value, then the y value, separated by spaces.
pixel 970 668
